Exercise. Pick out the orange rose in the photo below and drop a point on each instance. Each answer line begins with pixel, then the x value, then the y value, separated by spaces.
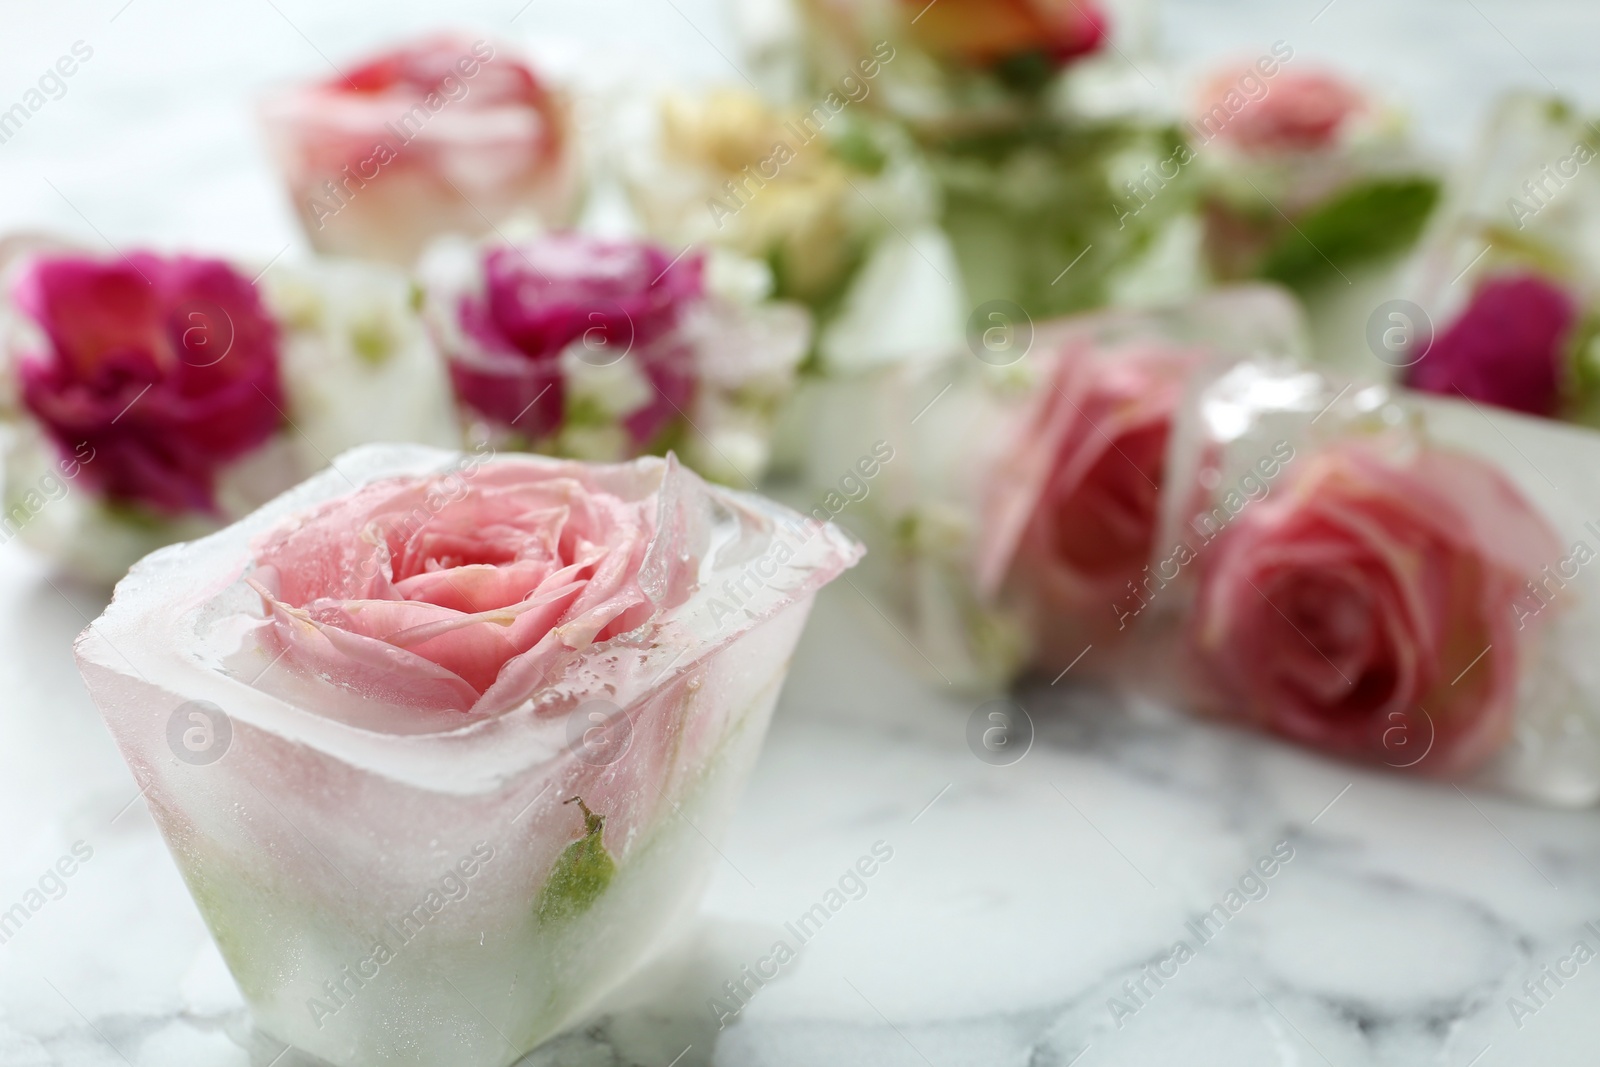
pixel 985 32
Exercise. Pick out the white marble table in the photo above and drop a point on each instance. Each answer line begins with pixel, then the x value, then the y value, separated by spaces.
pixel 1020 900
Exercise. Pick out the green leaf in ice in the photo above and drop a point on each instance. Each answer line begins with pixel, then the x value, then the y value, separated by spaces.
pixel 1368 221
pixel 582 872
pixel 1043 213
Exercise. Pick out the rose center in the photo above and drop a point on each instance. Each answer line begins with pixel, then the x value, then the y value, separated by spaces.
pixel 1109 522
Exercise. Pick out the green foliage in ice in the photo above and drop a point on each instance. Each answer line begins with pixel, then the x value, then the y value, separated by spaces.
pixel 1367 222
pixel 582 872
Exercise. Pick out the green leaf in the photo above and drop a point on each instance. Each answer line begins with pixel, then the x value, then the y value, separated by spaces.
pixel 1367 221
pixel 582 872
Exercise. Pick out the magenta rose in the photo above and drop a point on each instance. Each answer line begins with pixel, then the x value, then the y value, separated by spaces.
pixel 1086 482
pixel 602 300
pixel 1300 111
pixel 1366 608
pixel 1509 347
pixel 167 367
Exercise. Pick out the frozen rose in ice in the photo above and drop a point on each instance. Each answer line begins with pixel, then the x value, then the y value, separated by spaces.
pixel 1365 609
pixel 1305 176
pixel 1075 511
pixel 986 32
pixel 1509 347
pixel 458 595
pixel 166 368
pixel 152 398
pixel 444 134
pixel 306 684
pixel 1296 111
pixel 538 306
pixel 606 349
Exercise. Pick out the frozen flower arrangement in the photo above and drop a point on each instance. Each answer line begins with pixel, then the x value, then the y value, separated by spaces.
pixel 607 349
pixel 1010 111
pixel 1305 177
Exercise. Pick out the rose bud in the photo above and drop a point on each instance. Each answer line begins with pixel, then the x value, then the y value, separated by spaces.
pixel 1509 347
pixel 441 135
pixel 157 397
pixel 609 349
pixel 442 743
pixel 1365 607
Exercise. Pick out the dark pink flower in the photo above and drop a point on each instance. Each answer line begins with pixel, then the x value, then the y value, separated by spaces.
pixel 615 299
pixel 1508 348
pixel 166 366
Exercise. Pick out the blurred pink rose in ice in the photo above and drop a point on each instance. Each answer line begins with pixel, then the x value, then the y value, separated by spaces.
pixel 1074 514
pixel 441 135
pixel 1291 111
pixel 1367 608
pixel 610 299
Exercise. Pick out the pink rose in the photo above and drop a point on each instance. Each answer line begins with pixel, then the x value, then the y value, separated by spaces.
pixel 1299 111
pixel 1509 347
pixel 606 300
pixel 1366 608
pixel 166 367
pixel 1079 499
pixel 460 594
pixel 442 135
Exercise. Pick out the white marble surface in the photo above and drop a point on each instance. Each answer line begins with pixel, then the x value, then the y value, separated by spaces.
pixel 1019 899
